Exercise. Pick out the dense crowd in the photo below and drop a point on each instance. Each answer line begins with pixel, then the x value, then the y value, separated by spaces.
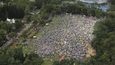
pixel 67 35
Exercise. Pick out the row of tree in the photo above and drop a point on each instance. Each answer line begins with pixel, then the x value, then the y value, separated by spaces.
pixel 11 12
pixel 104 41
pixel 16 56
pixel 50 8
pixel 8 30
pixel 57 7
pixel 14 8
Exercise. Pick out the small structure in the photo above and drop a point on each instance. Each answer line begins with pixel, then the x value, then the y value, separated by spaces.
pixel 99 5
pixel 10 20
pixel 34 37
pixel 47 24
pixel 104 7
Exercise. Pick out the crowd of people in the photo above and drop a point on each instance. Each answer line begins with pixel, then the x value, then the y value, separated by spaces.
pixel 66 35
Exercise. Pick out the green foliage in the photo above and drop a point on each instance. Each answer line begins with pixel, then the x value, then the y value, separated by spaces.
pixel 111 14
pixel 80 8
pixel 21 3
pixel 3 13
pixel 104 42
pixel 8 30
pixel 69 62
pixel 15 8
pixel 11 11
pixel 64 62
pixel 33 59
pixel 112 2
pixel 18 25
pixel 50 8
pixel 5 28
pixel 2 37
pixel 15 56
pixel 15 12
pixel 41 3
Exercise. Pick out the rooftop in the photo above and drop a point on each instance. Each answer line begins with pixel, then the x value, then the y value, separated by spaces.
pixel 94 1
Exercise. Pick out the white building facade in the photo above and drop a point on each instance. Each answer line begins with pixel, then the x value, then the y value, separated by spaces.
pixel 94 1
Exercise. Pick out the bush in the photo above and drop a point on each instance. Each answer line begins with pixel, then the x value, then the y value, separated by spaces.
pixel 15 56
pixel 15 12
pixel 104 42
pixel 2 37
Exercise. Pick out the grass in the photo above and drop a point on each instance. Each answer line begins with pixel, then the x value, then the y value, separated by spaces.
pixel 48 62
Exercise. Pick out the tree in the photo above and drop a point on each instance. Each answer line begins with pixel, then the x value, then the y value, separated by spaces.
pixel 15 12
pixel 2 37
pixel 64 62
pixel 112 2
pixel 33 59
pixel 15 56
pixel 104 42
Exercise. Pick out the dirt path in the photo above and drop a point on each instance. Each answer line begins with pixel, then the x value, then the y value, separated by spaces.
pixel 27 26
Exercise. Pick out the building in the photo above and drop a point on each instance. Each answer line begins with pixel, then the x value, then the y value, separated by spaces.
pixel 94 1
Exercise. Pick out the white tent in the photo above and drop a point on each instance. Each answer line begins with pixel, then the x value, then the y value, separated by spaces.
pixel 10 20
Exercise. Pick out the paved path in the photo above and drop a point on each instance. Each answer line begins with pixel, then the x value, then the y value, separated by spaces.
pixel 27 26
